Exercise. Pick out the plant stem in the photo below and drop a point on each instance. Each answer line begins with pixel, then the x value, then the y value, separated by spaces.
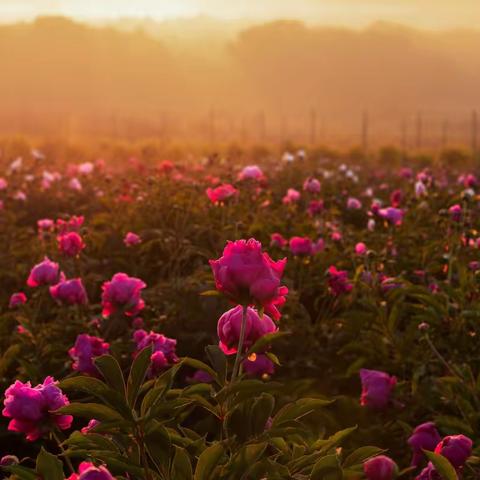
pixel 143 455
pixel 59 443
pixel 241 341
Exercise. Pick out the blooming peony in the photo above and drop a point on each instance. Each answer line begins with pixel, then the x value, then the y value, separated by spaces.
pixel 229 325
pixel 85 350
pixel 131 239
pixel 246 275
pixel 88 471
pixel 377 388
pixel 69 292
pixel 31 409
pixel 380 468
pixel 424 437
pixel 221 193
pixel 70 244
pixel 44 273
pixel 122 293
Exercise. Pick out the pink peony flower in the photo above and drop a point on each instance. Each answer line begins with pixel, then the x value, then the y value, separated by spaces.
pixel 315 207
pixel 251 172
pixel 122 293
pixel 90 426
pixel 45 225
pixel 221 193
pixel 88 471
pixel 424 437
pixel 163 349
pixel 17 299
pixel 456 448
pixel 31 409
pixel 338 282
pixel 360 248
pixel 396 198
pixel 258 366
pixel 292 196
pixel 380 468
pixel 354 203
pixel 72 225
pixel 455 212
pixel 392 215
pixel 85 350
pixel 246 275
pixel 69 292
pixel 229 324
pixel 70 244
pixel 377 388
pixel 312 185
pixel 131 239
pixel 277 240
pixel 305 246
pixel 44 273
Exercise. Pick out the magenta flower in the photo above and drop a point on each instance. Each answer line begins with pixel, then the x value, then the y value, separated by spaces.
pixel 221 193
pixel 377 388
pixel 251 172
pixel 277 240
pixel 229 324
pixel 85 350
pixel 44 273
pixel 32 409
pixel 131 239
pixel 258 366
pixel 292 196
pixel 312 185
pixel 246 275
pixel 122 293
pixel 45 225
pixel 305 246
pixel 360 249
pixel 72 225
pixel 354 203
pixel 456 448
pixel 396 198
pixel 90 426
pixel 315 207
pixel 88 471
pixel 70 244
pixel 392 215
pixel 424 437
pixel 455 212
pixel 163 349
pixel 338 282
pixel 17 299
pixel 380 468
pixel 69 292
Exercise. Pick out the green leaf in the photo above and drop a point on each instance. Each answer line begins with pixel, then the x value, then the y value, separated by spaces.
pixel 334 440
pixel 91 410
pixel 298 409
pixel 207 462
pixel 327 468
pixel 181 467
pixel 23 473
pixel 157 442
pixel 210 293
pixel 265 341
pixel 198 365
pixel 442 465
pixel 245 460
pixel 260 413
pixel 218 360
pixel 361 454
pixel 137 374
pixel 99 389
pixel 112 372
pixel 48 466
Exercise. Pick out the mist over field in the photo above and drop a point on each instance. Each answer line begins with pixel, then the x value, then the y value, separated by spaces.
pixel 64 76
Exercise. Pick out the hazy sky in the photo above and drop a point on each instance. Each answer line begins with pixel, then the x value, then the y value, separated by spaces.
pixel 422 13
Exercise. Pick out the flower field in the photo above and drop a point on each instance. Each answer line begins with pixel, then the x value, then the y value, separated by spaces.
pixel 250 315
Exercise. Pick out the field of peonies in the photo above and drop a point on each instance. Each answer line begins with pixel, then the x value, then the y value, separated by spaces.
pixel 246 315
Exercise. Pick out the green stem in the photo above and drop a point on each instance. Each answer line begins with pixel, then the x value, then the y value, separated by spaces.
pixel 59 443
pixel 241 341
